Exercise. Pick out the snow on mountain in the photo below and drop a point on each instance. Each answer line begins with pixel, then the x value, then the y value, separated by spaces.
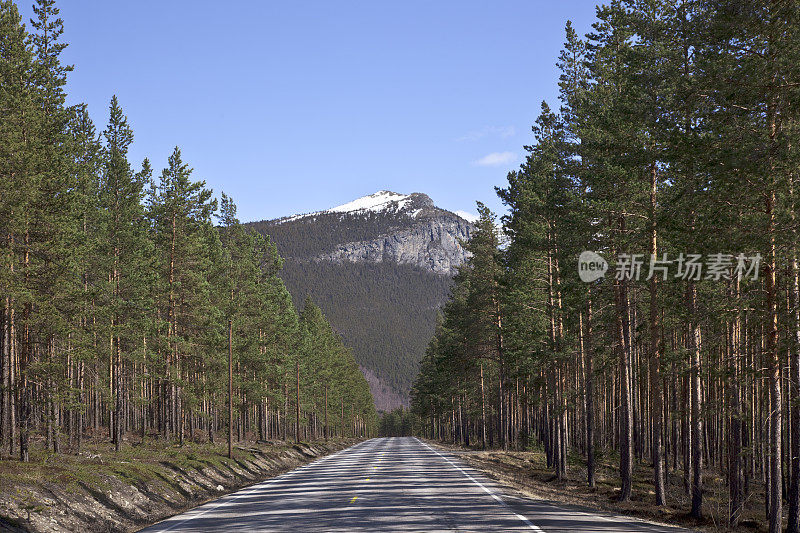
pixel 379 201
pixel 410 204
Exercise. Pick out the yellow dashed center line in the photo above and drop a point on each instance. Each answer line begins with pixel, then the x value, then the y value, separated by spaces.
pixel 373 467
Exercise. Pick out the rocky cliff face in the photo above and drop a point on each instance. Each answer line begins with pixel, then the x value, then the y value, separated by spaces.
pixel 434 242
pixel 380 267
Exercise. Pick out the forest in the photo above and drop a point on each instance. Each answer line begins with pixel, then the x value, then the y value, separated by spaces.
pixel 135 306
pixel 385 311
pixel 401 302
pixel 673 156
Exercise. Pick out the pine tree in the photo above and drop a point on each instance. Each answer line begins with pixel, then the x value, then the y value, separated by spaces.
pixel 180 211
pixel 87 163
pixel 16 102
pixel 127 250
pixel 48 231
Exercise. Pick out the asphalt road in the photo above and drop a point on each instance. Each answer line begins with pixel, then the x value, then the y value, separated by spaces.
pixel 389 484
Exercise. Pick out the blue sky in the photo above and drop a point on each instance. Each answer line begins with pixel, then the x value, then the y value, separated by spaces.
pixel 298 106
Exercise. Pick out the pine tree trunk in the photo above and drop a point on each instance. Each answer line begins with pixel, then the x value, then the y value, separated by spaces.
pixel 83 396
pixel 286 407
pixel 8 376
pixel 503 411
pixel 586 341
pixel 774 373
pixel 13 362
pixel 626 412
pixel 483 412
pixel 793 525
pixel 297 403
pixel 230 388
pixel 656 396
pixel 555 420
pixel 25 358
pixel 118 398
pixel 696 422
pixel 735 451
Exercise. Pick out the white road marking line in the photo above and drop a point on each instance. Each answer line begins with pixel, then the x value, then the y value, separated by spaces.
pixel 235 496
pixel 489 492
pixel 244 492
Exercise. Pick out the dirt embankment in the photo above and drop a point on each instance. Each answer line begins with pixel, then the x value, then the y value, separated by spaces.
pixel 100 491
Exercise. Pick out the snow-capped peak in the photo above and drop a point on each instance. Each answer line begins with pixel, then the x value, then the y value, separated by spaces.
pixel 410 205
pixel 379 201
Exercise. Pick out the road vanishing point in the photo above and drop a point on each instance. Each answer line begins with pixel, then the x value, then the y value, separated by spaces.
pixel 390 484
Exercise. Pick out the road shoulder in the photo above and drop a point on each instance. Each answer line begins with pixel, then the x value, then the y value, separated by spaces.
pixel 520 483
pixel 100 490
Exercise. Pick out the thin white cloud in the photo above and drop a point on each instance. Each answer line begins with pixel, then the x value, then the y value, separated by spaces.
pixel 495 159
pixel 504 132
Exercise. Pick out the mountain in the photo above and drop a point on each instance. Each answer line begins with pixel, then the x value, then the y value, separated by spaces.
pixel 379 267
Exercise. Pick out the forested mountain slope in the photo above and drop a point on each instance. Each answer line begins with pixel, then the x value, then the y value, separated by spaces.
pixel 379 267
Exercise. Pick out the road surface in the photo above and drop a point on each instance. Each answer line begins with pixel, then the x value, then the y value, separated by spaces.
pixel 389 484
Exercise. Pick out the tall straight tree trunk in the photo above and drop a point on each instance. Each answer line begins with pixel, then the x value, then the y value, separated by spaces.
pixel 483 412
pixel 736 494
pixel 4 367
pixel 171 333
pixel 776 17
pixel 656 396
pixel 25 359
pixel 586 341
pixel 503 411
pixel 793 525
pixel 524 418
pixel 555 430
pixel 13 361
pixel 626 411
pixel 230 388
pixel 285 406
pixel 696 429
pixel 774 372
pixel 9 381
pixel 118 398
pixel 297 403
pixel 116 357
pixel 561 372
pixel 560 448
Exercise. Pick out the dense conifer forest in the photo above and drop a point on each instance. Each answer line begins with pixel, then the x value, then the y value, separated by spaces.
pixel 134 305
pixel 673 154
pixel 385 311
